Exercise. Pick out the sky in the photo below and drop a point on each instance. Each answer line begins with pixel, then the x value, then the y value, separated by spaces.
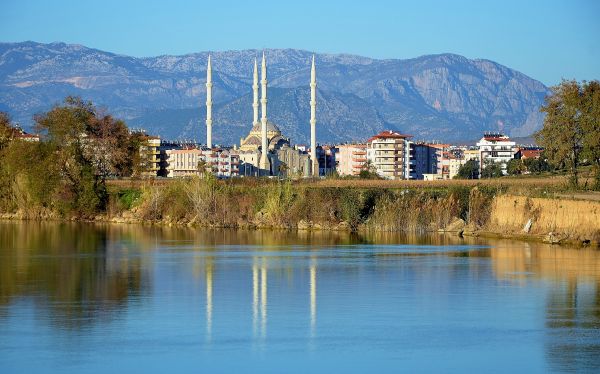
pixel 545 39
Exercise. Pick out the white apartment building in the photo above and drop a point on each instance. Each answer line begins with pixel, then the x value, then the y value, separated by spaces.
pixel 495 147
pixel 389 153
pixel 187 162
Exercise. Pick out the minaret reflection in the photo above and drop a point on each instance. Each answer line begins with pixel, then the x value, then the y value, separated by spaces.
pixel 255 272
pixel 209 296
pixel 259 297
pixel 313 296
pixel 263 299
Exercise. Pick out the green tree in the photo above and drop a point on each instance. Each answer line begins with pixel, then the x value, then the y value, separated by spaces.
pixel 492 170
pixel 563 133
pixel 515 167
pixel 469 170
pixel 6 129
pixel 368 171
pixel 590 123
pixel 536 165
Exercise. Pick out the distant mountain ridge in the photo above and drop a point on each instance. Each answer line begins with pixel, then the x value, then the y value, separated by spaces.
pixel 443 97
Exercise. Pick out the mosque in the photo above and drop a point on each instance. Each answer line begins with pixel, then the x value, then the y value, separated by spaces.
pixel 265 151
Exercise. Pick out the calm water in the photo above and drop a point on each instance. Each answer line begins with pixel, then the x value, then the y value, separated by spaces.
pixel 139 299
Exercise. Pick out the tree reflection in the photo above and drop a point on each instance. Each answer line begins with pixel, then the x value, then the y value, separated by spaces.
pixel 573 301
pixel 75 275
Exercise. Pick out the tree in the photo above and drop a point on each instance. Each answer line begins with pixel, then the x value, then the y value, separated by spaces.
pixel 89 146
pixel 368 171
pixel 590 123
pixel 468 170
pixel 492 170
pixel 536 165
pixel 515 167
pixel 6 129
pixel 563 133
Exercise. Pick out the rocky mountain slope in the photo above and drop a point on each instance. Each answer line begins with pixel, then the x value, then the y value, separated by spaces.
pixel 439 97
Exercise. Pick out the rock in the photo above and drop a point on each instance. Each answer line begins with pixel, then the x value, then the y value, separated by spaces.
pixel 457 225
pixel 303 225
pixel 127 214
pixel 552 238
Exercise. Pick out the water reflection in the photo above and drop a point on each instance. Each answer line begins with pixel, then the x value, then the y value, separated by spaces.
pixel 209 297
pixel 81 275
pixel 573 301
pixel 313 296
pixel 78 275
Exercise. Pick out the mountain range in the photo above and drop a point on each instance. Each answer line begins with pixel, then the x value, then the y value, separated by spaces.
pixel 443 97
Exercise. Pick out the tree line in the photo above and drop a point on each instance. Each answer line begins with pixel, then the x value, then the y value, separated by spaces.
pixel 65 172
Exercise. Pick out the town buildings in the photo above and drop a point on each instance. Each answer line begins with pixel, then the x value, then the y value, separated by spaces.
pixel 223 163
pixel 265 151
pixel 425 159
pixel 150 156
pixel 495 148
pixel 389 153
pixel 351 159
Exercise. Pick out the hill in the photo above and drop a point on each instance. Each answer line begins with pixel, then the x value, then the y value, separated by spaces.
pixel 437 97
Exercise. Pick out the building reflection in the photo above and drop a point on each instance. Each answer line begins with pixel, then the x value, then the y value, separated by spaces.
pixel 259 296
pixel 209 267
pixel 81 274
pixel 255 296
pixel 572 301
pixel 313 296
pixel 263 299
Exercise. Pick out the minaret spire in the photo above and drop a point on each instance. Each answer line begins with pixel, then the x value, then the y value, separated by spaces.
pixel 313 119
pixel 255 92
pixel 209 104
pixel 264 162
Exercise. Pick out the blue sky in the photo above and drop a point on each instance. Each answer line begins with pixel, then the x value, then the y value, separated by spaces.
pixel 547 40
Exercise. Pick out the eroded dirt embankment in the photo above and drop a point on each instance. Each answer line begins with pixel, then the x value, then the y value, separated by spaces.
pixel 554 220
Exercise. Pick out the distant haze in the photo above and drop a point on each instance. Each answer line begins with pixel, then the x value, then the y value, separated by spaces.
pixel 437 97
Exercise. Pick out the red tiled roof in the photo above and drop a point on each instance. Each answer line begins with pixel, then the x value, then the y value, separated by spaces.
pixel 495 137
pixel 531 153
pixel 388 134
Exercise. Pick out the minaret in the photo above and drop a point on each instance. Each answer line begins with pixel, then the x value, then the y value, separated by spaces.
pixel 313 119
pixel 209 104
pixel 255 91
pixel 264 162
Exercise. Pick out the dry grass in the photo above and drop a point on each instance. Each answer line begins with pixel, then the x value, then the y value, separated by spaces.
pixel 554 181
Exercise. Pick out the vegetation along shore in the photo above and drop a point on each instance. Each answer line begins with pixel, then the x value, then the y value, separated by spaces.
pixel 88 166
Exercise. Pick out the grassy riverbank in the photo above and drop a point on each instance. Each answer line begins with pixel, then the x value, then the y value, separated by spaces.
pixel 530 208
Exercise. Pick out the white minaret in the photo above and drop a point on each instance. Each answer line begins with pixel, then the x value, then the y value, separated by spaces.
pixel 255 91
pixel 264 162
pixel 313 119
pixel 209 104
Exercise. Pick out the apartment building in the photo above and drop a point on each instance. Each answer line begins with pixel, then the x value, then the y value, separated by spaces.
pixel 185 162
pixel 150 156
pixel 351 158
pixel 389 153
pixel 497 148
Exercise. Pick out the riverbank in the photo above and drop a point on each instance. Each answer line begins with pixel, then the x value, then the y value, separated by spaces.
pixel 540 212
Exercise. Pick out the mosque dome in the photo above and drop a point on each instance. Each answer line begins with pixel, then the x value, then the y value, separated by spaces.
pixel 271 127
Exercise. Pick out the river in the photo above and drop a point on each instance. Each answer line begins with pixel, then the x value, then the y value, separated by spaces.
pixel 129 298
